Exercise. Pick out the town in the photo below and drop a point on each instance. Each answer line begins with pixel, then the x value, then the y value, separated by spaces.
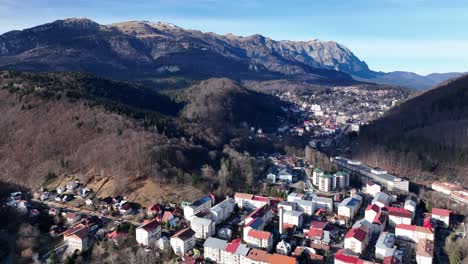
pixel 356 214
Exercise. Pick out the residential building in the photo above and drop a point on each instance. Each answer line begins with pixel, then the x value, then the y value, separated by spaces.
pixel 148 233
pixel 315 176
pixel 323 202
pixel 257 256
pixel 442 216
pixel 414 233
pixel 350 206
pixel 381 199
pixel 325 182
pixel 398 215
pixel 385 246
pixel 213 249
pixel 346 256
pixel 235 252
pixel 294 197
pixel 199 205
pixel 223 210
pixel 321 233
pixel 183 241
pixel 356 239
pixel 253 233
pixel 373 188
pixel 425 251
pixel 410 204
pixel 460 196
pixel 293 218
pixel 371 212
pixel 250 201
pixel 287 206
pixel 305 206
pixel 203 227
pixel 341 180
pixel 76 238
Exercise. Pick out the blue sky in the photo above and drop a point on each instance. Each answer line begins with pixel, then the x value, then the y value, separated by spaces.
pixel 422 36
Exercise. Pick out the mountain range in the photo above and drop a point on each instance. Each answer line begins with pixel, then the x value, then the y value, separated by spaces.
pixel 142 50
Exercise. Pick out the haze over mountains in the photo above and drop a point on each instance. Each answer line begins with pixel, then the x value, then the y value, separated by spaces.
pixel 143 50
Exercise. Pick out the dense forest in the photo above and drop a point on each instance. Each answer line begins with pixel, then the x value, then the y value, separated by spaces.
pixel 424 137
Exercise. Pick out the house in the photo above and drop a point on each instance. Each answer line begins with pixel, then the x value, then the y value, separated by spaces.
pixel 183 241
pixel 126 208
pixel 442 216
pixel 154 209
pixel 203 227
pixel 321 233
pixel 77 238
pixel 414 233
pixel 169 218
pixel 410 204
pixel 356 239
pixel 71 217
pixel 425 251
pixel 235 252
pixel 371 212
pixel 72 185
pixel 257 256
pixel 199 205
pixel 398 215
pixel 350 206
pixel 346 256
pixel 148 233
pixel 381 199
pixel 213 248
pixel 283 248
pixel 225 233
pixel 385 246
pixel 117 236
pixel 460 196
pixel 373 188
pixel 293 218
pixel 250 201
pixel 223 210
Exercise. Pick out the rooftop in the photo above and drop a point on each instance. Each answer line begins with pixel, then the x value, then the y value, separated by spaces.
pixel 201 201
pixel 149 226
pixel 217 243
pixel 259 234
pixel 440 212
pixel 356 233
pixel 184 234
pixel 425 248
pixel 414 228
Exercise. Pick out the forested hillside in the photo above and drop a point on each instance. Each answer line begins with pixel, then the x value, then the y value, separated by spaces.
pixel 425 136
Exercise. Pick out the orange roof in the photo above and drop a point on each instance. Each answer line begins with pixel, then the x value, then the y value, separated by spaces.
pixel 280 259
pixel 414 228
pixel 258 255
pixel 243 196
pixel 259 234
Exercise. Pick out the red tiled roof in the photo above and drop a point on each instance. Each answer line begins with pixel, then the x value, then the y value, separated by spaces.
pixel 379 218
pixel 115 234
pixel 343 257
pixel 440 212
pixel 373 207
pixel 232 247
pixel 391 260
pixel 150 225
pixel 356 233
pixel 260 198
pixel 313 232
pixel 400 212
pixel 258 255
pixel 259 234
pixel 414 228
pixel 184 234
pixel 280 259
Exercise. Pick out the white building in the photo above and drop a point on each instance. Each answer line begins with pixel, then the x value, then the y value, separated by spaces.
pixel 203 227
pixel 223 210
pixel 373 188
pixel 77 238
pixel 253 233
pixel 294 197
pixel 398 216
pixel 235 253
pixel 341 180
pixel 441 215
pixel 293 218
pixel 323 202
pixel 213 249
pixel 350 206
pixel 148 233
pixel 283 248
pixel 445 187
pixel 425 251
pixel 410 204
pixel 287 206
pixel 356 239
pixel 183 241
pixel 385 246
pixel 315 176
pixel 381 199
pixel 325 183
pixel 305 206
pixel 202 204
pixel 250 201
pixel 371 212
pixel 414 233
